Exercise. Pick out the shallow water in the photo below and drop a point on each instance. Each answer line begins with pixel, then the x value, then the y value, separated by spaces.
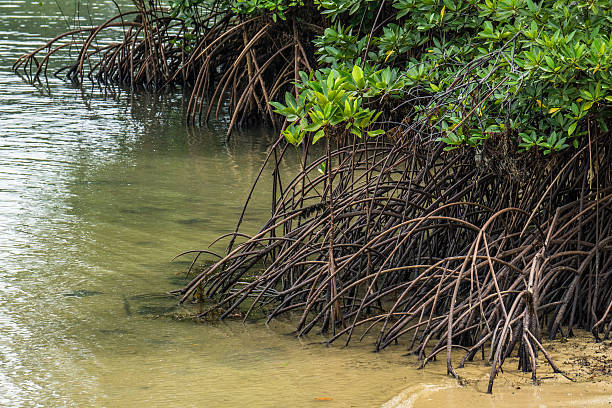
pixel 97 194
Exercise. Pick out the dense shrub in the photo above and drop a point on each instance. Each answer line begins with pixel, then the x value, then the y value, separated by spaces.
pixel 538 72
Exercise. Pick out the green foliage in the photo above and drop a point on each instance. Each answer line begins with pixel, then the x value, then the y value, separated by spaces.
pixel 339 44
pixel 330 98
pixel 337 8
pixel 537 70
pixel 276 8
pixel 187 9
pixel 186 41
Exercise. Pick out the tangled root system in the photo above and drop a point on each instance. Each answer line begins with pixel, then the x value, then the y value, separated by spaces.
pixel 467 250
pixel 237 64
pixel 446 250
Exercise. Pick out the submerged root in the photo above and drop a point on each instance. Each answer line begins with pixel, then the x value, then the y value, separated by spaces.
pixel 425 245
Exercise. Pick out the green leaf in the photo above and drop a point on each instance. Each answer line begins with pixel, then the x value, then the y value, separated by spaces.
pixel 450 5
pixel 279 106
pixel 330 80
pixel 321 168
pixel 532 6
pixel 347 109
pixel 289 137
pixel 290 100
pixel 317 136
pixel 358 76
pixel 312 127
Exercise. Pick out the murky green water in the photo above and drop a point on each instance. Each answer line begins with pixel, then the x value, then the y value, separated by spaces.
pixel 97 194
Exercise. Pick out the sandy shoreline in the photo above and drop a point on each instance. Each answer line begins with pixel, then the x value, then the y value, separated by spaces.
pixel 587 383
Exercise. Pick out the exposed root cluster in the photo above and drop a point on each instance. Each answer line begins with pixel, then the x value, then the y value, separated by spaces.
pixel 239 64
pixel 427 246
pixel 478 250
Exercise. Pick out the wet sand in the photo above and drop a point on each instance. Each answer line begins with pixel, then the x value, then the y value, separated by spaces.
pixel 587 381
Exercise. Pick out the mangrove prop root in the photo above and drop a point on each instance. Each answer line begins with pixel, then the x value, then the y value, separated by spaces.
pixel 454 250
pixel 235 64
pixel 400 240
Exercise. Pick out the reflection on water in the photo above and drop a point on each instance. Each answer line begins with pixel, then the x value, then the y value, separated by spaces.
pixel 97 193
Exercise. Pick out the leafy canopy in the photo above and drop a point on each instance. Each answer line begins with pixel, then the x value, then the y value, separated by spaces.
pixel 469 69
pixel 535 70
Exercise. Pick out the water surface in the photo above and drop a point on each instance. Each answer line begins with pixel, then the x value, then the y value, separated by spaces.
pixel 97 193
